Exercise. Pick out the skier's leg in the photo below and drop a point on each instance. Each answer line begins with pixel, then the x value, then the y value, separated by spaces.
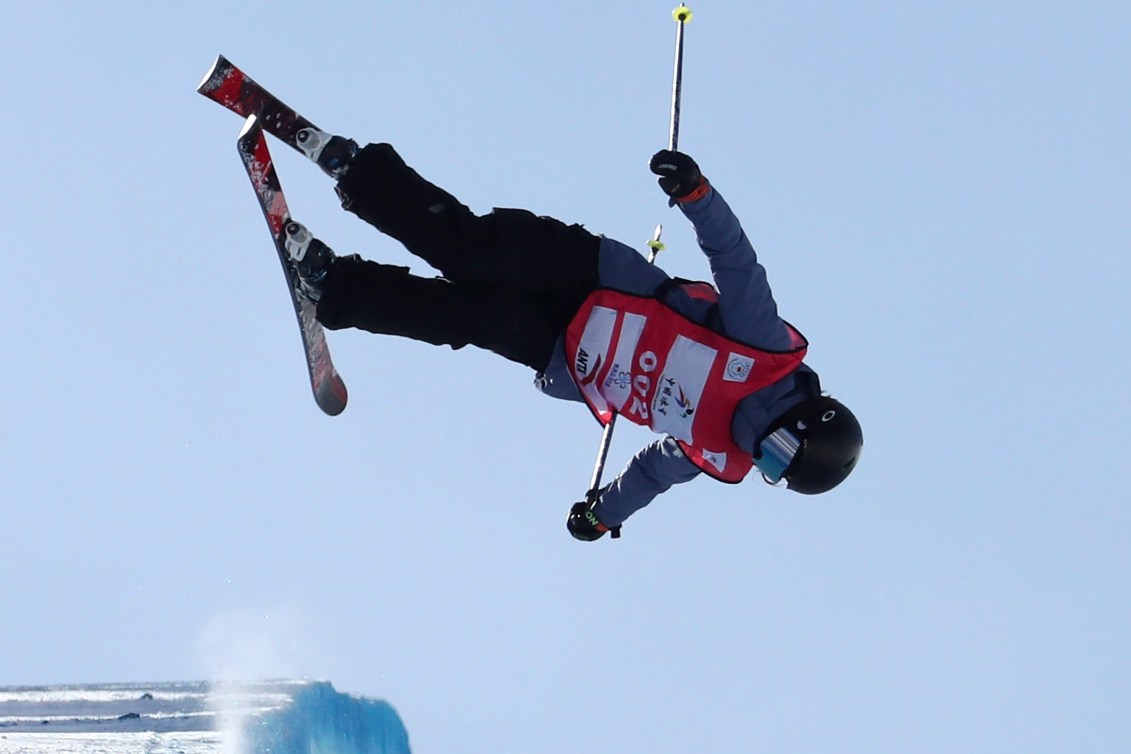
pixel 392 197
pixel 388 300
pixel 540 253
pixel 507 248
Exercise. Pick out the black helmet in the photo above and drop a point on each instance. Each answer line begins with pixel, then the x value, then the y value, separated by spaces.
pixel 814 448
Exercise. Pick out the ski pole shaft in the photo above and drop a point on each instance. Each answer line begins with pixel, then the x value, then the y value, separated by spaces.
pixel 682 15
pixel 599 467
pixel 607 436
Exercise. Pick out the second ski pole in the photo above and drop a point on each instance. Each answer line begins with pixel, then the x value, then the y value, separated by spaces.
pixel 682 15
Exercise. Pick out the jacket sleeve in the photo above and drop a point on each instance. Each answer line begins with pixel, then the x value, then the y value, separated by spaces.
pixel 651 471
pixel 746 303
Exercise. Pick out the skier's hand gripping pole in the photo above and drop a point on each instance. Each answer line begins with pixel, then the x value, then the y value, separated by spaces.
pixel 682 15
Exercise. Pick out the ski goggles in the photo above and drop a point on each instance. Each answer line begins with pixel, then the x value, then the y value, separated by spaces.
pixel 777 452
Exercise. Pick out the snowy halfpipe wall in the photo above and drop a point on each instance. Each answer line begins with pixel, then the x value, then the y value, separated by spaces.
pixel 280 717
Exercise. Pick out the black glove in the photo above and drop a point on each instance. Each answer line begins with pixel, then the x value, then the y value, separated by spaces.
pixel 583 524
pixel 679 175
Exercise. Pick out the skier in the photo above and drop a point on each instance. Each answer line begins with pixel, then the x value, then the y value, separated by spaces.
pixel 596 322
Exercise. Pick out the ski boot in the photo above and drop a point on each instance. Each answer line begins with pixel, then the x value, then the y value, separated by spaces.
pixel 311 259
pixel 329 152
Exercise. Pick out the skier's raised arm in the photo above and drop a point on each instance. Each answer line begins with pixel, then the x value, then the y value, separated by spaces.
pixel 746 303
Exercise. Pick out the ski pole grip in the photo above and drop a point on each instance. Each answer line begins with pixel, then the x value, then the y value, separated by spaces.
pixel 591 498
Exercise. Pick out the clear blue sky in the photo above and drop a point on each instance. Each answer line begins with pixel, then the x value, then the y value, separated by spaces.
pixel 940 194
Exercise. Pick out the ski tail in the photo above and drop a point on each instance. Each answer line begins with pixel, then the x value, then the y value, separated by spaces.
pixel 329 389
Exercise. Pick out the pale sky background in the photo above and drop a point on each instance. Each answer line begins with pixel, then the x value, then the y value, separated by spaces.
pixel 940 194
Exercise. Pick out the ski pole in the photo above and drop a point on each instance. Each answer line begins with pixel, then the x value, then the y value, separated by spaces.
pixel 607 435
pixel 682 15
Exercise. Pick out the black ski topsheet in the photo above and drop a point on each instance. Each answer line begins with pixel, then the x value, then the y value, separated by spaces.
pixel 232 88
pixel 329 390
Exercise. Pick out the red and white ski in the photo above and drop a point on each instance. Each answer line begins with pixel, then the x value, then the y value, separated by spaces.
pixel 232 88
pixel 329 390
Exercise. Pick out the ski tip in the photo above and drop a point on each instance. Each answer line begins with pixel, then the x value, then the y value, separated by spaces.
pixel 215 75
pixel 251 129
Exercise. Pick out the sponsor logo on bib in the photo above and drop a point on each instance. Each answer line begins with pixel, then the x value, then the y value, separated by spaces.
pixel 738 368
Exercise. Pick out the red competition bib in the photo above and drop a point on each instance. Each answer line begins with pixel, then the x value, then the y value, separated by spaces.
pixel 637 357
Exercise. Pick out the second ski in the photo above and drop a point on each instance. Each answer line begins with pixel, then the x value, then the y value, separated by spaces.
pixel 329 390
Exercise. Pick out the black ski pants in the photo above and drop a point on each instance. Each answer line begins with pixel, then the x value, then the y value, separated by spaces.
pixel 511 281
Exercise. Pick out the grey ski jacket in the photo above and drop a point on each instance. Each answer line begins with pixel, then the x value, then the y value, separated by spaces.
pixel 746 311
